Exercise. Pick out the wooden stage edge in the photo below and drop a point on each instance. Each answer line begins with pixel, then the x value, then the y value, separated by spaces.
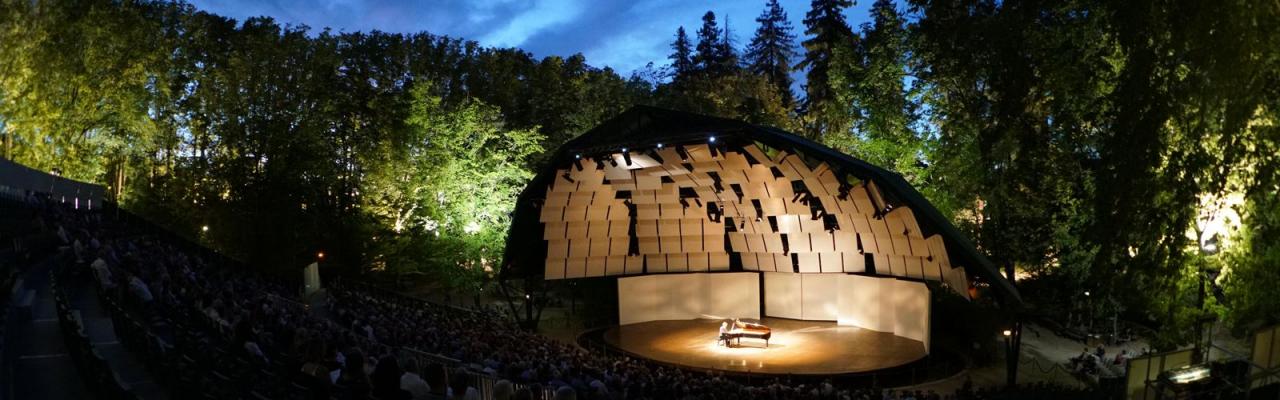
pixel 796 348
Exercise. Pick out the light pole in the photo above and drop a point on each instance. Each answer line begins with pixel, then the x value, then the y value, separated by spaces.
pixel 1208 247
pixel 1011 359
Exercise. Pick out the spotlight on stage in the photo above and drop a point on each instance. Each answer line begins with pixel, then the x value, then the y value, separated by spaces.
pixel 659 145
pixel 711 139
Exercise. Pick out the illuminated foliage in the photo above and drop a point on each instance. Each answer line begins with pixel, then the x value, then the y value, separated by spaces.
pixel 452 181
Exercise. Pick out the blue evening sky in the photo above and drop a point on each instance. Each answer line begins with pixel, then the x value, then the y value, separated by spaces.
pixel 621 34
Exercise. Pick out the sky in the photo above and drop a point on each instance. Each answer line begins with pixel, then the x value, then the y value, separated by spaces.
pixel 624 35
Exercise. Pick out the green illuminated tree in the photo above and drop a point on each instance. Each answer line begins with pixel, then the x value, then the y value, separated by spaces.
pixel 452 181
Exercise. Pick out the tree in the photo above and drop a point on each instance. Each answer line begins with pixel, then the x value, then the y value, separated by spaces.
pixel 452 183
pixel 709 57
pixel 828 31
pixel 870 81
pixel 771 51
pixel 725 52
pixel 681 61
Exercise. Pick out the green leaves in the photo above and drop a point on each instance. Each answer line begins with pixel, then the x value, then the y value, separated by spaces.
pixel 454 181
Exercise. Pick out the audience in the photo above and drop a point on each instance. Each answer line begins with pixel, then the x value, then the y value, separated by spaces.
pixel 412 381
pixel 326 351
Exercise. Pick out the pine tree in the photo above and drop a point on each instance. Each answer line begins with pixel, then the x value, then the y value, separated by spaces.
pixel 708 57
pixel 681 63
pixel 827 30
pixel 770 51
pixel 868 82
pixel 728 57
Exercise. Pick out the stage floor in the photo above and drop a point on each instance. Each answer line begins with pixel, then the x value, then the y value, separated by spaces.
pixel 796 347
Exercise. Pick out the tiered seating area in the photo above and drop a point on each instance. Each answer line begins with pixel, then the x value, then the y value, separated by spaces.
pixel 208 328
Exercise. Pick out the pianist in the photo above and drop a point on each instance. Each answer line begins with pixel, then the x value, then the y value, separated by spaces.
pixel 724 334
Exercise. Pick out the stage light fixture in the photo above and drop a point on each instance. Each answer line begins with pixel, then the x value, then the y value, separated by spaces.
pixel 1007 333
pixel 712 139
pixel 654 154
pixel 659 145
pixel 624 149
pixel 320 255
pixel 204 228
pixel 577 156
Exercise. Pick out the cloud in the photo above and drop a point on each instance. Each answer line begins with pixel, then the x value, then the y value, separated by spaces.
pixel 543 14
pixel 621 34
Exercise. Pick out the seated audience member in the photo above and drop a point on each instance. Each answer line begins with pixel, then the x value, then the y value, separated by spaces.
pixel 438 380
pixel 565 393
pixel 140 290
pixel 1122 357
pixel 503 390
pixel 412 381
pixel 245 337
pixel 352 377
pixel 458 385
pixel 386 380
pixel 103 273
pixel 315 372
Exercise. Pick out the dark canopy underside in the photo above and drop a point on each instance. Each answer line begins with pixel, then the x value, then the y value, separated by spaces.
pixel 643 127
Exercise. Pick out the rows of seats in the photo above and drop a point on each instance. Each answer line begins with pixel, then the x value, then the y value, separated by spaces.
pixel 93 367
pixel 196 355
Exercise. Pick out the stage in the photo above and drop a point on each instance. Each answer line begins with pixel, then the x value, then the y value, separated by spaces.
pixel 797 347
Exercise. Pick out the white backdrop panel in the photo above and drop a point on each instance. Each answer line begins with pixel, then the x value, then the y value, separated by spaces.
pixel 782 295
pixel 912 300
pixel 684 298
pixel 732 295
pixel 640 300
pixel 819 297
pixel 688 296
pixel 860 299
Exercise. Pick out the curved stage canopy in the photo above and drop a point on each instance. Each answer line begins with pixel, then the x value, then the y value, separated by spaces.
pixel 656 191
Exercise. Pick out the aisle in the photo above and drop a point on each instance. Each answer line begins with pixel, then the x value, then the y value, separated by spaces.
pixel 101 331
pixel 41 367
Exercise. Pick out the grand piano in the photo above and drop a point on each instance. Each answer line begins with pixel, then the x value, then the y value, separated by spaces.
pixel 749 330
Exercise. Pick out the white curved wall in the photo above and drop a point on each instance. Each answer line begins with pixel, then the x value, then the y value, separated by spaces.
pixel 688 296
pixel 875 303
